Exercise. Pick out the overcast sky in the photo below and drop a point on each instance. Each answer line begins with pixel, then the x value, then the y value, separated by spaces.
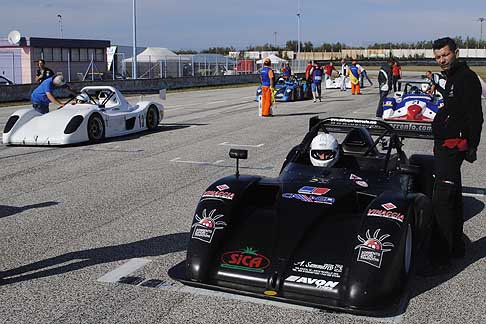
pixel 199 24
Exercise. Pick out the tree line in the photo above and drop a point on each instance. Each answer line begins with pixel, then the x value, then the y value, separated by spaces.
pixel 308 46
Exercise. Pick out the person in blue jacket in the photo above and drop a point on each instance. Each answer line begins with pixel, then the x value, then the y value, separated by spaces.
pixel 317 73
pixel 286 71
pixel 43 95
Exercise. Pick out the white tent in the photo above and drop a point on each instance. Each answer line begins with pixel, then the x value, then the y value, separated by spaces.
pixel 154 54
pixel 274 59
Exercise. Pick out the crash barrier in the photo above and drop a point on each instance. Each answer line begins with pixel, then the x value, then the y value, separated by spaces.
pixel 23 91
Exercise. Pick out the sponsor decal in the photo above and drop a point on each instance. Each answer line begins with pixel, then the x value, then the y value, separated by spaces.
pixel 206 226
pixel 326 269
pixel 362 183
pixel 318 180
pixel 247 259
pixel 218 194
pixel 372 248
pixel 222 187
pixel 388 104
pixel 387 214
pixel 317 283
pixel 389 206
pixel 354 177
pixel 313 190
pixel 310 198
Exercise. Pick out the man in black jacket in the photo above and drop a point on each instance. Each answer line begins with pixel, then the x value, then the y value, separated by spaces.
pixel 457 131
pixel 385 82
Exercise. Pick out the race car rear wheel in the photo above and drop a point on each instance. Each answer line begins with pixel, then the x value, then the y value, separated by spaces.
pixel 408 250
pixel 152 117
pixel 96 128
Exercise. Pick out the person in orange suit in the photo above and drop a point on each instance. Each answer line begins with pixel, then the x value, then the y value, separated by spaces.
pixel 267 78
pixel 353 73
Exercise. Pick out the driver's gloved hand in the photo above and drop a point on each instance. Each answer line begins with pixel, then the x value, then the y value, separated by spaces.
pixel 471 155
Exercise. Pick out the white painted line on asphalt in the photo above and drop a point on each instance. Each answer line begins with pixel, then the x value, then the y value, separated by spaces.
pixel 468 194
pixel 242 145
pixel 216 102
pixel 124 270
pixel 178 160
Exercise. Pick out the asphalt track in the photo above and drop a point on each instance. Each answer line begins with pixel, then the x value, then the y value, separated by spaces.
pixel 73 220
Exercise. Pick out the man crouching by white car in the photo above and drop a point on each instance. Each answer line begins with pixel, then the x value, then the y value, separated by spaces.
pixel 43 95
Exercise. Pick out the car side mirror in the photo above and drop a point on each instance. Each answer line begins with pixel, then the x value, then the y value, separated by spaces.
pixel 238 154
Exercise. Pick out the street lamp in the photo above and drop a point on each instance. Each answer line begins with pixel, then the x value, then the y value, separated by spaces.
pixel 298 35
pixel 481 20
pixel 60 24
pixel 134 50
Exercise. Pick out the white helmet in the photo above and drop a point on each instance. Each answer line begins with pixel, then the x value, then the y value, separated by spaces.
pixel 58 81
pixel 324 150
pixel 82 98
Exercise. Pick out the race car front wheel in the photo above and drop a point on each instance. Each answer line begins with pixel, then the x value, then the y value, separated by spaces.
pixel 96 128
pixel 152 117
pixel 408 250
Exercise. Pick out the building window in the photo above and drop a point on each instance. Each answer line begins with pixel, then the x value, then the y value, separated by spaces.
pixel 47 51
pixel 37 55
pixel 65 54
pixel 100 54
pixel 75 54
pixel 56 54
pixel 83 55
pixel 91 54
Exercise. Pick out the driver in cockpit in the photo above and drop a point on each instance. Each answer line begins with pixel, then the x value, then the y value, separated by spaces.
pixel 324 151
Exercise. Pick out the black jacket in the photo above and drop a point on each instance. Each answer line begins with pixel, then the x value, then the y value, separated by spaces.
pixel 383 79
pixel 462 115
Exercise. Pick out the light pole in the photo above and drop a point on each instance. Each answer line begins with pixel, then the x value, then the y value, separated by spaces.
pixel 298 35
pixel 60 24
pixel 134 50
pixel 481 20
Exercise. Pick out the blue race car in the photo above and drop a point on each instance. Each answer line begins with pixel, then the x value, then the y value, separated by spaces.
pixel 413 104
pixel 290 89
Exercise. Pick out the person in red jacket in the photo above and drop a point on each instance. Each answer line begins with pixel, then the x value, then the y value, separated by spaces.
pixel 397 75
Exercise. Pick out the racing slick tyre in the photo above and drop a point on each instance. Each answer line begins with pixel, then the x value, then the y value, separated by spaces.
pixel 152 119
pixel 298 93
pixel 96 128
pixel 417 240
pixel 424 183
pixel 294 95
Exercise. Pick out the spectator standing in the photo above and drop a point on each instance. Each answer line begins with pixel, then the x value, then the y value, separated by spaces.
pixel 43 72
pixel 286 71
pixel 308 77
pixel 317 72
pixel 384 84
pixel 457 132
pixel 328 68
pixel 344 73
pixel 267 78
pixel 397 75
pixel 363 75
pixel 354 74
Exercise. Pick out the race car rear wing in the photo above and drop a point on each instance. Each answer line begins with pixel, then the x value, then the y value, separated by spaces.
pixel 404 129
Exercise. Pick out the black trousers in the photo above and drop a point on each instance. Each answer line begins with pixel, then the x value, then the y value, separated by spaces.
pixel 379 109
pixel 396 86
pixel 447 204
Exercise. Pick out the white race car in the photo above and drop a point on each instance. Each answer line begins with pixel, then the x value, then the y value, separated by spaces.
pixel 336 83
pixel 96 113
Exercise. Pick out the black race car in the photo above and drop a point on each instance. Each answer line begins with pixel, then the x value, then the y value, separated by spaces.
pixel 344 238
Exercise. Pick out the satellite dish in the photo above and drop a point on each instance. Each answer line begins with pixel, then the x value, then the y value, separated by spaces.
pixel 14 37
